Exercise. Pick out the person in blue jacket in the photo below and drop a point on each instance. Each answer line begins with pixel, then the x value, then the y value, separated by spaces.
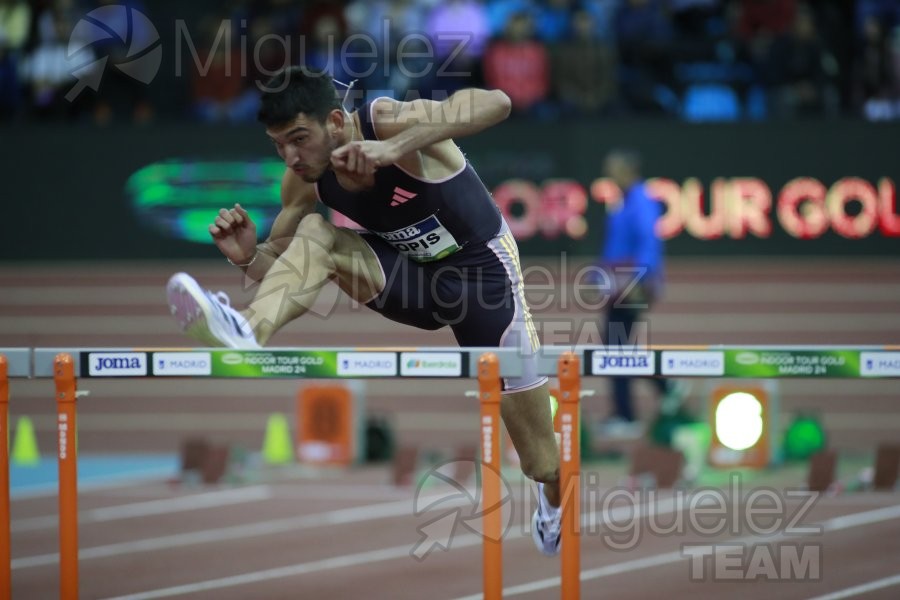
pixel 633 260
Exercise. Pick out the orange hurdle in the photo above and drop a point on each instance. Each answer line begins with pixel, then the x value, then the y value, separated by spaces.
pixel 5 562
pixel 489 384
pixel 64 376
pixel 491 508
pixel 569 372
pixel 570 473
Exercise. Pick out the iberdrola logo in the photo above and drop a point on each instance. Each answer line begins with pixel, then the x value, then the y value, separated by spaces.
pixel 117 36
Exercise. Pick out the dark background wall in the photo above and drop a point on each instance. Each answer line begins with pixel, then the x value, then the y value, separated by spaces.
pixel 64 189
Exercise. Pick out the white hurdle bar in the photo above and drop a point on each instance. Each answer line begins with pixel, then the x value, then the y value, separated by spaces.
pixel 714 361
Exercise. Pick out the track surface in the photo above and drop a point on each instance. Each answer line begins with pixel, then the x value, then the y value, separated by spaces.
pixel 277 538
pixel 353 537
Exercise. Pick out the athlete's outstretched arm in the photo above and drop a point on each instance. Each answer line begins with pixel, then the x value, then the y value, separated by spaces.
pixel 423 125
pixel 297 201
pixel 411 126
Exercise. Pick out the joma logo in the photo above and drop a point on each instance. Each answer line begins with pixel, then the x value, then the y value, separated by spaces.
pixel 117 363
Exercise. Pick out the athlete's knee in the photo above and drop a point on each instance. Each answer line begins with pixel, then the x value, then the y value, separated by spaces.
pixel 314 234
pixel 316 226
pixel 542 471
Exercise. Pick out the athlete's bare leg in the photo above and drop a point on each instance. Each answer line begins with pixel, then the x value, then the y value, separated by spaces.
pixel 318 253
pixel 527 417
pixel 321 252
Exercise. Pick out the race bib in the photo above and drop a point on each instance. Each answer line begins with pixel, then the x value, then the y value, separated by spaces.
pixel 425 241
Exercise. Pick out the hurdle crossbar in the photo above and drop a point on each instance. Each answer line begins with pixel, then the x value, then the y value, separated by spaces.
pixel 18 361
pixel 740 362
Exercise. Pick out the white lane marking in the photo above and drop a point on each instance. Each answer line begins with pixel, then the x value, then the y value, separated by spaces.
pixel 337 562
pixel 356 514
pixel 835 524
pixel 153 507
pixel 864 588
pixel 363 558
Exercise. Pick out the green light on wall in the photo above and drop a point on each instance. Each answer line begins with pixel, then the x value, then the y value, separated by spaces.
pixel 180 198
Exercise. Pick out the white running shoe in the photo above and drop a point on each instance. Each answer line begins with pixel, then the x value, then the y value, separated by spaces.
pixel 546 525
pixel 207 317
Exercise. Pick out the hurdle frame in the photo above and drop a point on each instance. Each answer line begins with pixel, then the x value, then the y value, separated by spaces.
pixel 569 373
pixel 66 365
pixel 5 548
pixel 14 363
pixel 569 475
pixel 67 426
pixel 491 468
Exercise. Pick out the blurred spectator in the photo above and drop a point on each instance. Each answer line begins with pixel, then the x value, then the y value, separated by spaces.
pixel 458 19
pixel 316 10
pixel 323 49
pixel 698 29
pixel 833 21
pixel 756 24
pixel 459 31
pixel 15 22
pixel 554 20
pixel 394 17
pixel 644 35
pixel 47 69
pixel 766 17
pixel 387 27
pixel 798 66
pixel 584 69
pixel 119 92
pixel 692 17
pixel 642 22
pixel 323 31
pixel 500 13
pixel 519 65
pixel 887 12
pixel 281 18
pixel 219 93
pixel 604 13
pixel 779 57
pixel 876 83
pixel 274 27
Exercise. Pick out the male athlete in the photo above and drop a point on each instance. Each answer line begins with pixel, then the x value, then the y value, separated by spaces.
pixel 436 250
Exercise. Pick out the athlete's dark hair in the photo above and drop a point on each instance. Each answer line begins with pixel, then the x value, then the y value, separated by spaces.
pixel 296 90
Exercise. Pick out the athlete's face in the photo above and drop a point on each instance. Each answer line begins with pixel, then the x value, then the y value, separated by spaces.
pixel 305 144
